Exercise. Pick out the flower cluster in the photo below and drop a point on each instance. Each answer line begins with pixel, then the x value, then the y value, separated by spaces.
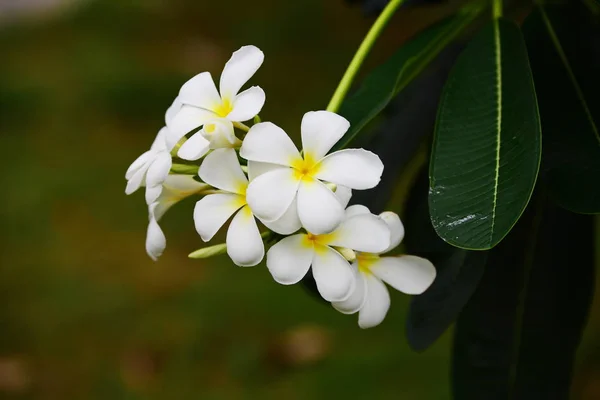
pixel 256 176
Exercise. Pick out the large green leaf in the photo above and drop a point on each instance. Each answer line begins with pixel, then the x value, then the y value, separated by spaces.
pixel 564 50
pixel 386 81
pixel 486 149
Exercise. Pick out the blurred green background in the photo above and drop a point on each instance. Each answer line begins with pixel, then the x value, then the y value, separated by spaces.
pixel 84 313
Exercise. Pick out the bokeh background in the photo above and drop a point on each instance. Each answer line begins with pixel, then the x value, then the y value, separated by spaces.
pixel 84 313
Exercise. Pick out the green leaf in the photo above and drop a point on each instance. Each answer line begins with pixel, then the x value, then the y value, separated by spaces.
pixel 386 81
pixel 563 52
pixel 487 142
pixel 518 335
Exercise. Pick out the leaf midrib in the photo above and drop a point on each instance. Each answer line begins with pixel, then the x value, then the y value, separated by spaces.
pixel 498 53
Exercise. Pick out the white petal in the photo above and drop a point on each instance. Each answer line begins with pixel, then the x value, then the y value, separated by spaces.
pixel 408 274
pixel 186 120
pixel 136 180
pixel 374 310
pixel 155 238
pixel 183 185
pixel 244 244
pixel 356 209
pixel 219 132
pixel 288 223
pixel 266 142
pixel 200 91
pixel 153 193
pixel 344 194
pixel 355 168
pixel 358 296
pixel 320 131
pixel 333 275
pixel 247 104
pixel 160 142
pixel 194 148
pixel 318 208
pixel 172 111
pixel 139 163
pixel 396 228
pixel 271 194
pixel 289 259
pixel 239 69
pixel 212 211
pixel 363 232
pixel 255 168
pixel 222 170
pixel 159 169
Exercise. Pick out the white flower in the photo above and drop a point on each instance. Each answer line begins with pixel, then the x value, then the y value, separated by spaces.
pixel 222 170
pixel 174 189
pixel 290 259
pixel 291 177
pixel 408 274
pixel 203 104
pixel 150 169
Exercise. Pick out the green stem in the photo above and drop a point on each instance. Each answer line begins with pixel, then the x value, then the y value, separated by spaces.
pixel 184 169
pixel 497 9
pixel 241 126
pixel 361 54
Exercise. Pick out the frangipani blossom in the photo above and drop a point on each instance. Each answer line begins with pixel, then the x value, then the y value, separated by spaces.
pixel 174 189
pixel 298 180
pixel 204 104
pixel 408 274
pixel 290 259
pixel 222 170
pixel 150 169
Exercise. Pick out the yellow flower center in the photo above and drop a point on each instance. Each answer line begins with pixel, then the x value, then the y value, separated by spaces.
pixel 305 168
pixel 365 260
pixel 223 109
pixel 210 128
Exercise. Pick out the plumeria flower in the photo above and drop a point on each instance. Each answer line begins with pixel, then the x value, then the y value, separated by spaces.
pixel 174 189
pixel 290 259
pixel 221 169
pixel 408 274
pixel 292 179
pixel 150 169
pixel 216 110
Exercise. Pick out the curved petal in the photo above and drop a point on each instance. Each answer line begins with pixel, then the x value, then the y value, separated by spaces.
pixel 200 91
pixel 183 185
pixel 288 223
pixel 344 194
pixel 172 111
pixel 408 274
pixel 160 141
pixel 139 163
pixel 247 104
pixel 266 142
pixel 363 232
pixel 212 211
pixel 244 244
pixel 136 180
pixel 239 69
pixel 155 238
pixel 333 275
pixel 222 170
pixel 290 258
pixel 270 195
pixel 356 209
pixel 396 229
pixel 153 193
pixel 256 168
pixel 159 169
pixel 374 310
pixel 355 168
pixel 320 131
pixel 318 208
pixel 194 148
pixel 186 120
pixel 219 132
pixel 358 296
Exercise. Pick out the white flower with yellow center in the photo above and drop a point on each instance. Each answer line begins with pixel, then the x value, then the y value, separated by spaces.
pixel 221 169
pixel 203 104
pixel 290 259
pixel 150 169
pixel 174 189
pixel 408 274
pixel 292 179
